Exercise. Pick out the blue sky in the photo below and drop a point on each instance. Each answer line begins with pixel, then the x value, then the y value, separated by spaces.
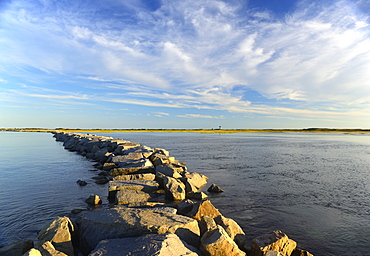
pixel 184 64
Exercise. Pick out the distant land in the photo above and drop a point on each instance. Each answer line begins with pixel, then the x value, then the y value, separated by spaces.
pixel 215 130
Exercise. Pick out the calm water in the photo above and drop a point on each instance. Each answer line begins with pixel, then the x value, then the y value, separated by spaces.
pixel 314 187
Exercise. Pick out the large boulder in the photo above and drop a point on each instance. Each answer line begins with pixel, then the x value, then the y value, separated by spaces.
pixel 217 242
pixel 169 170
pixel 153 244
pixel 174 189
pixel 273 241
pixel 206 224
pixel 160 159
pixel 199 209
pixel 232 228
pixel 120 222
pixel 59 233
pixel 194 182
pixel 16 248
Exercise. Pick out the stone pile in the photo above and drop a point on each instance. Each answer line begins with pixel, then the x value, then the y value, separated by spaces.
pixel 156 208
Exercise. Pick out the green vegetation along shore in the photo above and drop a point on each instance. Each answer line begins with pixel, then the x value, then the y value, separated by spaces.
pixel 307 130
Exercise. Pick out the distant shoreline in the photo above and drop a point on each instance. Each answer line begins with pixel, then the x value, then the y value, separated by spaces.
pixel 224 131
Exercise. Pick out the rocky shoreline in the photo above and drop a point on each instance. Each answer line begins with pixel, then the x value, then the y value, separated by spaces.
pixel 156 207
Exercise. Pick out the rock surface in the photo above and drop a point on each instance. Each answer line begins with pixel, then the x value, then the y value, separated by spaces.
pixel 48 249
pixel 121 222
pixel 159 245
pixel 216 242
pixel 232 228
pixel 274 241
pixel 58 232
pixel 174 189
pixel 128 196
pixel 203 208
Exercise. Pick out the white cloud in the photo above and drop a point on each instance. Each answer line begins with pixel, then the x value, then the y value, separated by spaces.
pixel 200 116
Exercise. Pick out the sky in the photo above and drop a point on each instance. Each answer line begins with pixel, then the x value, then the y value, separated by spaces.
pixel 185 64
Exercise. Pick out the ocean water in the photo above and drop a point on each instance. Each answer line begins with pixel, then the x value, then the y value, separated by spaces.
pixel 313 187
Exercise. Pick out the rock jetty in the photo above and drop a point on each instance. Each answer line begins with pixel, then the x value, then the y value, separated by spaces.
pixel 156 207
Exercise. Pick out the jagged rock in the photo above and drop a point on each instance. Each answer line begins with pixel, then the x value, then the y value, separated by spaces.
pixel 196 195
pixel 232 228
pixel 299 252
pixel 202 208
pixel 93 200
pixel 48 249
pixel 58 232
pixel 185 206
pixel 162 151
pixel 143 176
pixel 206 224
pixel 274 241
pixel 160 159
pixel 159 245
pixel 174 189
pixel 81 182
pixel 122 146
pixel 102 155
pixel 32 252
pixel 194 181
pixel 169 170
pixel 273 253
pixel 16 248
pixel 214 189
pixel 217 242
pixel 120 222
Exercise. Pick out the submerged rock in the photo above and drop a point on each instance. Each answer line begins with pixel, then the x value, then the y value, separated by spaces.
pixel 93 200
pixel 214 189
pixel 81 182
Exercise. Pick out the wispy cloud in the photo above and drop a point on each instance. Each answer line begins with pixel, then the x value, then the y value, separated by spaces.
pixel 200 116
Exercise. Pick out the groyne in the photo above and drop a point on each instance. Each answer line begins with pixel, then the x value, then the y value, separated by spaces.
pixel 156 207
